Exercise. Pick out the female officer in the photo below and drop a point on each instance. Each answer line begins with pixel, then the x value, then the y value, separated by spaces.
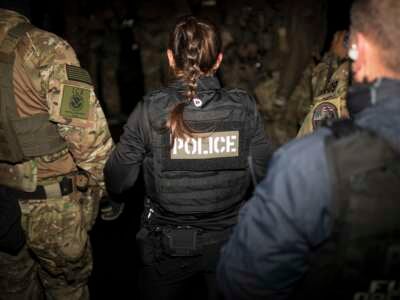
pixel 199 146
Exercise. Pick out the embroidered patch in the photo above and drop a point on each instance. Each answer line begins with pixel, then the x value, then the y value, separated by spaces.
pixel 223 146
pixel 75 73
pixel 207 145
pixel 75 102
pixel 324 112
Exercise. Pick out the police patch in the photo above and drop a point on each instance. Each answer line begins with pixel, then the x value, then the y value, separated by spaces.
pixel 322 113
pixel 224 148
pixel 75 102
pixel 207 145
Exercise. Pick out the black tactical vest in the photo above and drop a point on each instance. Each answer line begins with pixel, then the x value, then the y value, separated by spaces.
pixel 361 260
pixel 21 139
pixel 207 173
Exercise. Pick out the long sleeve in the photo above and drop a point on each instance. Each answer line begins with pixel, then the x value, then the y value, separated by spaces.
pixel 124 164
pixel 261 148
pixel 72 104
pixel 288 214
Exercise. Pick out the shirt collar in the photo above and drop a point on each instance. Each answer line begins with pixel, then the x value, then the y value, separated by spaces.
pixel 204 83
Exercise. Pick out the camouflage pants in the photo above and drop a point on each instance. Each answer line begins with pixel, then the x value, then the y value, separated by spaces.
pixel 57 259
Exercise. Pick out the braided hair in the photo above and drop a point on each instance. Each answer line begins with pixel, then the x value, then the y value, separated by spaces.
pixel 195 45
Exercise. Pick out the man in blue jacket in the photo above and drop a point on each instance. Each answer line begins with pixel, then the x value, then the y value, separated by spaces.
pixel 325 222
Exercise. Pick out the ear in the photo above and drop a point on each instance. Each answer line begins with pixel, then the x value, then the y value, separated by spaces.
pixel 218 62
pixel 360 65
pixel 171 59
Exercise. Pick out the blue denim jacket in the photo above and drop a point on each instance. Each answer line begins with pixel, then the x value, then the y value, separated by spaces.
pixel 290 213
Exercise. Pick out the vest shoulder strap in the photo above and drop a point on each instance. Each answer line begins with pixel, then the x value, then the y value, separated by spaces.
pixel 10 148
pixel 21 138
pixel 13 36
pixel 354 150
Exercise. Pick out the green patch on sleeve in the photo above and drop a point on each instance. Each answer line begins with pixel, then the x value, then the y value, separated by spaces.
pixel 67 205
pixel 75 102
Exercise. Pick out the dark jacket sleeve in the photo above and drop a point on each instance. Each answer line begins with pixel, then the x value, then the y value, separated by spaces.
pixel 261 148
pixel 287 216
pixel 123 165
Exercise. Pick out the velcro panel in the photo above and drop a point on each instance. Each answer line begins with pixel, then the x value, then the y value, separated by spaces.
pixel 38 136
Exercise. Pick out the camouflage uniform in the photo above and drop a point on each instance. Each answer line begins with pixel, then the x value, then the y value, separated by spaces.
pixel 330 83
pixel 58 253
pixel 289 36
pixel 282 121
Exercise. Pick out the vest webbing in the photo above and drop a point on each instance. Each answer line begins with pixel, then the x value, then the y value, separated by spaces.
pixel 190 191
pixel 21 138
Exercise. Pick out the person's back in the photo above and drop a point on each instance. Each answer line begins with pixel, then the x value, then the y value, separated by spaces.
pixel 361 254
pixel 330 82
pixel 324 223
pixel 196 142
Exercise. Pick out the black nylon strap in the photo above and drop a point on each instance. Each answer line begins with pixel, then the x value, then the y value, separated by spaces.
pixel 350 138
pixel 66 188
pixel 21 138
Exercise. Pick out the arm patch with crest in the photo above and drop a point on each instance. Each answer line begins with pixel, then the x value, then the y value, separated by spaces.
pixel 75 96
pixel 75 102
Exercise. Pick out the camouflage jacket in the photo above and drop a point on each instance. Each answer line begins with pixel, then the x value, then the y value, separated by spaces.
pixel 331 104
pixel 47 78
pixel 330 75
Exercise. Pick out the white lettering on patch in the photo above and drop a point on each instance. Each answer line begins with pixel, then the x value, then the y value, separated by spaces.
pixel 207 145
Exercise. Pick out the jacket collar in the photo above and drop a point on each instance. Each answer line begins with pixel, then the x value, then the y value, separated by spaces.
pixel 203 84
pixel 382 115
pixel 384 88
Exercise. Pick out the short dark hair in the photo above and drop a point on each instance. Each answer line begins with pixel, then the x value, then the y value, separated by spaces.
pixel 379 20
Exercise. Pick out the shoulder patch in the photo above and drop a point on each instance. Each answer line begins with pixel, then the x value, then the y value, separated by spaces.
pixel 323 112
pixel 75 73
pixel 75 102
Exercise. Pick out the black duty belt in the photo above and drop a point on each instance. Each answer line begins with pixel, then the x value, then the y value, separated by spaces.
pixel 189 241
pixel 52 190
pixel 212 237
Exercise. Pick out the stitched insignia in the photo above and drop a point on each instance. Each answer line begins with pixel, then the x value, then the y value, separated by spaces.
pixel 75 102
pixel 323 112
pixel 75 73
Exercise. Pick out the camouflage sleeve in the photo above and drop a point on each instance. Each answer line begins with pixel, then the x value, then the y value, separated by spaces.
pixel 73 105
pixel 306 127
